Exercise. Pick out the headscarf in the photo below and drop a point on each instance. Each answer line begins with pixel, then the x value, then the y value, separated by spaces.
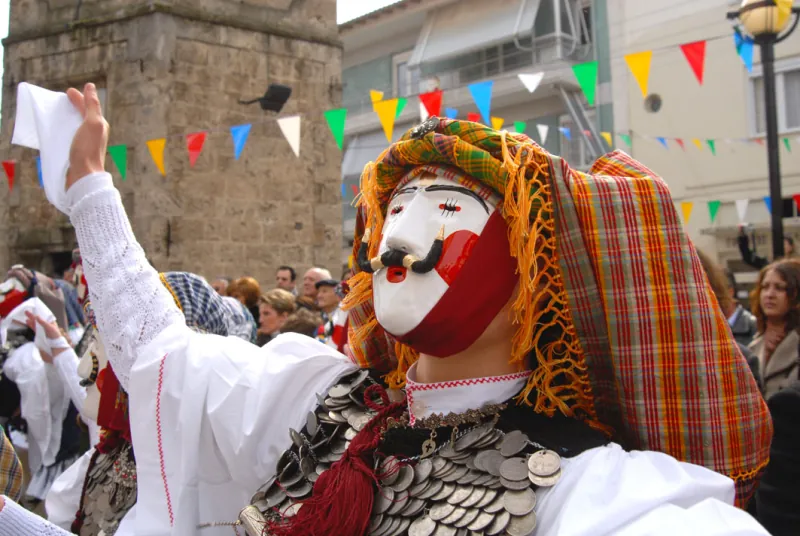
pixel 644 352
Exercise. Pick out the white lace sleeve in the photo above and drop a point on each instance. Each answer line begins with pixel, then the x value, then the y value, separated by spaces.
pixel 16 521
pixel 130 304
pixel 66 364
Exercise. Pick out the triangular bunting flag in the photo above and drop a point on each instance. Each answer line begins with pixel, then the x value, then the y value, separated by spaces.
pixel 796 198
pixel 713 208
pixel 290 127
pixel 759 141
pixel 9 166
pixel 543 130
pixel 663 141
pixel 565 131
pixel 194 143
pixel 680 143
pixel 375 95
pixel 741 209
pixel 239 135
pixel 520 126
pixel 497 123
pixel 401 105
pixel 639 64
pixel 531 81
pixel 698 143
pixel 39 171
pixel 119 155
pixel 354 188
pixel 387 111
pixel 423 113
pixel 695 54
pixel 475 117
pixel 482 95
pixel 686 209
pixel 744 47
pixel 450 113
pixel 344 190
pixel 586 74
pixel 787 144
pixel 626 138
pixel 607 136
pixel 713 146
pixel 336 119
pixel 768 202
pixel 784 11
pixel 432 101
pixel 156 148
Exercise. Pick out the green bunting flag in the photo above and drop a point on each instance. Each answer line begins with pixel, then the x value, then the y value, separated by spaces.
pixel 586 74
pixel 626 138
pixel 336 119
pixel 401 103
pixel 787 144
pixel 713 208
pixel 119 154
pixel 519 127
pixel 713 146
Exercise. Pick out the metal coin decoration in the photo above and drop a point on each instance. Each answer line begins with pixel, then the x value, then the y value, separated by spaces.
pixel 110 490
pixel 482 482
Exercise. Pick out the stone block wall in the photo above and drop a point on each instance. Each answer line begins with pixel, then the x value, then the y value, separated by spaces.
pixel 173 68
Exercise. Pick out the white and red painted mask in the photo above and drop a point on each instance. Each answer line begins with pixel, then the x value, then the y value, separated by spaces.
pixel 442 307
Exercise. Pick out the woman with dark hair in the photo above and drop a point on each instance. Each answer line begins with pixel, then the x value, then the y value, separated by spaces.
pixel 776 306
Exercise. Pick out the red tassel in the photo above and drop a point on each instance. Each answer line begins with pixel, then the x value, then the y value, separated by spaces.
pixel 341 501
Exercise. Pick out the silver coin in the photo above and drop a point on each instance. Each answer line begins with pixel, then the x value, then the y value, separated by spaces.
pixel 448 469
pixel 444 530
pixel 418 489
pixel 445 492
pixel 515 485
pixel 495 506
pixel 460 494
pixel 474 497
pixel 400 501
pixel 404 480
pixel 545 482
pixel 320 468
pixel 469 478
pixel 457 514
pixel 490 460
pixel 394 522
pixel 488 496
pixel 449 452
pixel 374 522
pixel 483 520
pixel 494 484
pixel 384 498
pixel 544 463
pixel 424 526
pixel 434 487
pixel 307 466
pixel 468 518
pixel 292 510
pixel 291 480
pixel 515 469
pixel 513 443
pixel 350 434
pixel 483 480
pixel 489 440
pixel 458 473
pixel 338 447
pixel 422 471
pixel 439 463
pixel 336 417
pixel 275 496
pixel 361 377
pixel 413 507
pixel 383 527
pixel 390 468
pixel 499 524
pixel 441 510
pixel 350 412
pixel 299 491
pixel 401 527
pixel 313 477
pixel 522 526
pixel 339 391
pixel 472 437
pixel 519 503
pixel 297 439
pixel 360 422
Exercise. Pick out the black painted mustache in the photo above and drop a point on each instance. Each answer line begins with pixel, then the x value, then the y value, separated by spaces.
pixel 399 258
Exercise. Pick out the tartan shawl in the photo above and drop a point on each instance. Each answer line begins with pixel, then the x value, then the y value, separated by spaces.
pixel 662 367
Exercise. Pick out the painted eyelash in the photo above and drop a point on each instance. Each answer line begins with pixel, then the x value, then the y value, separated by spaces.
pixel 449 206
pixel 398 209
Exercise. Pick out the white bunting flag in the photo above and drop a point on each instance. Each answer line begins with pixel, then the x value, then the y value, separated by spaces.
pixel 741 209
pixel 423 112
pixel 543 129
pixel 531 81
pixel 290 126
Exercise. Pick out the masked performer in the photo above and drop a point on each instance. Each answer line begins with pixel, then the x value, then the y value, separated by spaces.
pixel 509 319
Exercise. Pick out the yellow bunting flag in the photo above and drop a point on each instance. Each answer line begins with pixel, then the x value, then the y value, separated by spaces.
pixel 387 112
pixel 607 137
pixel 784 11
pixel 375 95
pixel 157 153
pixel 686 209
pixel 698 143
pixel 639 64
pixel 497 123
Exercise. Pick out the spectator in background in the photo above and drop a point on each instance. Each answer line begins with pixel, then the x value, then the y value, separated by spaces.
pixel 333 330
pixel 275 308
pixel 303 321
pixel 285 279
pixel 310 280
pixel 220 285
pixel 248 292
pixel 749 255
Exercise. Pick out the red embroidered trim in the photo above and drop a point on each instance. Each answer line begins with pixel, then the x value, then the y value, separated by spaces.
pixel 412 386
pixel 160 444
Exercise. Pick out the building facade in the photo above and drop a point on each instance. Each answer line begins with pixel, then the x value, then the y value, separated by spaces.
pixel 727 107
pixel 416 46
pixel 169 68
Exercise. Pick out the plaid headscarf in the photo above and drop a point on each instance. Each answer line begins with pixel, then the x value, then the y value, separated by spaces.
pixel 656 366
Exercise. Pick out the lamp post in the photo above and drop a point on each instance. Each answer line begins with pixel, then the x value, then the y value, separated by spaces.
pixel 766 21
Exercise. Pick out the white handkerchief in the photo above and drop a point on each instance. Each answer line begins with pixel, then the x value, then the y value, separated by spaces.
pixel 17 316
pixel 47 121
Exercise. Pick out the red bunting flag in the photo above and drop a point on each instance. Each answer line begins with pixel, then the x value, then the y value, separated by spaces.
pixel 759 141
pixel 432 101
pixel 696 56
pixel 355 189
pixel 796 198
pixel 10 167
pixel 194 143
pixel 679 141
pixel 475 117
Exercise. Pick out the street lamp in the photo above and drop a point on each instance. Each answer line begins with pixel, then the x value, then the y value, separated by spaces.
pixel 766 21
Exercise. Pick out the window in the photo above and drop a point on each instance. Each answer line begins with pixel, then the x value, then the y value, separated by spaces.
pixel 787 93
pixel 574 150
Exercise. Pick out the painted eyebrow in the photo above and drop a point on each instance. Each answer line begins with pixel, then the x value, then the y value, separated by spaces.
pixel 459 189
pixel 407 190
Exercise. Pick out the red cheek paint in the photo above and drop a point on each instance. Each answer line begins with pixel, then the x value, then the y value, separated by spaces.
pixel 457 249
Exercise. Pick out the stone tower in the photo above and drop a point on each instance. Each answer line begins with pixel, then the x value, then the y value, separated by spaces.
pixel 172 67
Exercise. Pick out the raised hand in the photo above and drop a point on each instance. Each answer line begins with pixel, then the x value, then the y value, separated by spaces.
pixel 88 151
